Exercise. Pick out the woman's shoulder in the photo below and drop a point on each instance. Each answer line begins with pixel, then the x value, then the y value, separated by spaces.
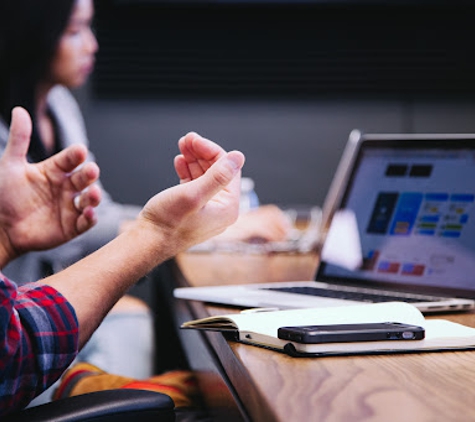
pixel 4 130
pixel 60 96
pixel 68 115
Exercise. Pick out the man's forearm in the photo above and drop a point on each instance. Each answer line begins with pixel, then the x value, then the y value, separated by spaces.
pixel 94 284
pixel 170 222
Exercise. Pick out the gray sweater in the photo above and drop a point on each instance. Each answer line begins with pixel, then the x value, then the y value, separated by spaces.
pixel 71 130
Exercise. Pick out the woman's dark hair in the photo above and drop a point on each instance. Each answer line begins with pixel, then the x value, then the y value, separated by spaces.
pixel 29 34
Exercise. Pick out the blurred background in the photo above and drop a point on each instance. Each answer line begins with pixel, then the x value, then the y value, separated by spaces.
pixel 284 81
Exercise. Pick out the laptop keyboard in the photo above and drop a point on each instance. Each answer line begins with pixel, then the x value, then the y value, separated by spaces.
pixel 353 295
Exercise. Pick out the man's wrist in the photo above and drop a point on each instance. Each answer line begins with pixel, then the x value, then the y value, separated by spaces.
pixel 7 252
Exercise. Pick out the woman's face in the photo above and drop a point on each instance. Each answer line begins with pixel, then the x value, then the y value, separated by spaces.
pixel 74 58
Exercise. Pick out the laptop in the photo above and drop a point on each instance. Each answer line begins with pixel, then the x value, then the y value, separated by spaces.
pixel 407 201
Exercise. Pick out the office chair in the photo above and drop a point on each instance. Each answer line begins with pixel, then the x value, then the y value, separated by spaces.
pixel 121 405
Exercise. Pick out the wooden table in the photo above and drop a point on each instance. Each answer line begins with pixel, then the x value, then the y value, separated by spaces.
pixel 250 383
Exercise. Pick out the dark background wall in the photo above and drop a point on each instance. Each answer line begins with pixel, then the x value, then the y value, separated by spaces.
pixel 285 83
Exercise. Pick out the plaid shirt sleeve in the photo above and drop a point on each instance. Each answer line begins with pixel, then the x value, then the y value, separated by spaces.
pixel 38 341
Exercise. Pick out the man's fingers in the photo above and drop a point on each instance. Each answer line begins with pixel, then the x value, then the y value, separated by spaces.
pixel 85 176
pixel 20 133
pixel 68 159
pixel 199 153
pixel 86 220
pixel 89 198
pixel 181 168
pixel 193 145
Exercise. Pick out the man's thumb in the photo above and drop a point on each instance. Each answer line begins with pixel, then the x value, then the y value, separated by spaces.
pixel 222 174
pixel 20 132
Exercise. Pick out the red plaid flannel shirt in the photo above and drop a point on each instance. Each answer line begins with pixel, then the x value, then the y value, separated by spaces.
pixel 38 341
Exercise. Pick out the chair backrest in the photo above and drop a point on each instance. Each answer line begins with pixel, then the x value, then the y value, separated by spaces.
pixel 122 405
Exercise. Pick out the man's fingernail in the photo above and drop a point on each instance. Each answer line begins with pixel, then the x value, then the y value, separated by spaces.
pixel 235 158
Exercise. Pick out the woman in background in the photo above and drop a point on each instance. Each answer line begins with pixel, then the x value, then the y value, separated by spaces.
pixel 47 47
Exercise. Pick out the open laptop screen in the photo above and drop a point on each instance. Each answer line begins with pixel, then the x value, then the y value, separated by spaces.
pixel 414 203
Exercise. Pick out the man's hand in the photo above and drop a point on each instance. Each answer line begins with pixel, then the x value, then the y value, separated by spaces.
pixel 206 201
pixel 45 204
